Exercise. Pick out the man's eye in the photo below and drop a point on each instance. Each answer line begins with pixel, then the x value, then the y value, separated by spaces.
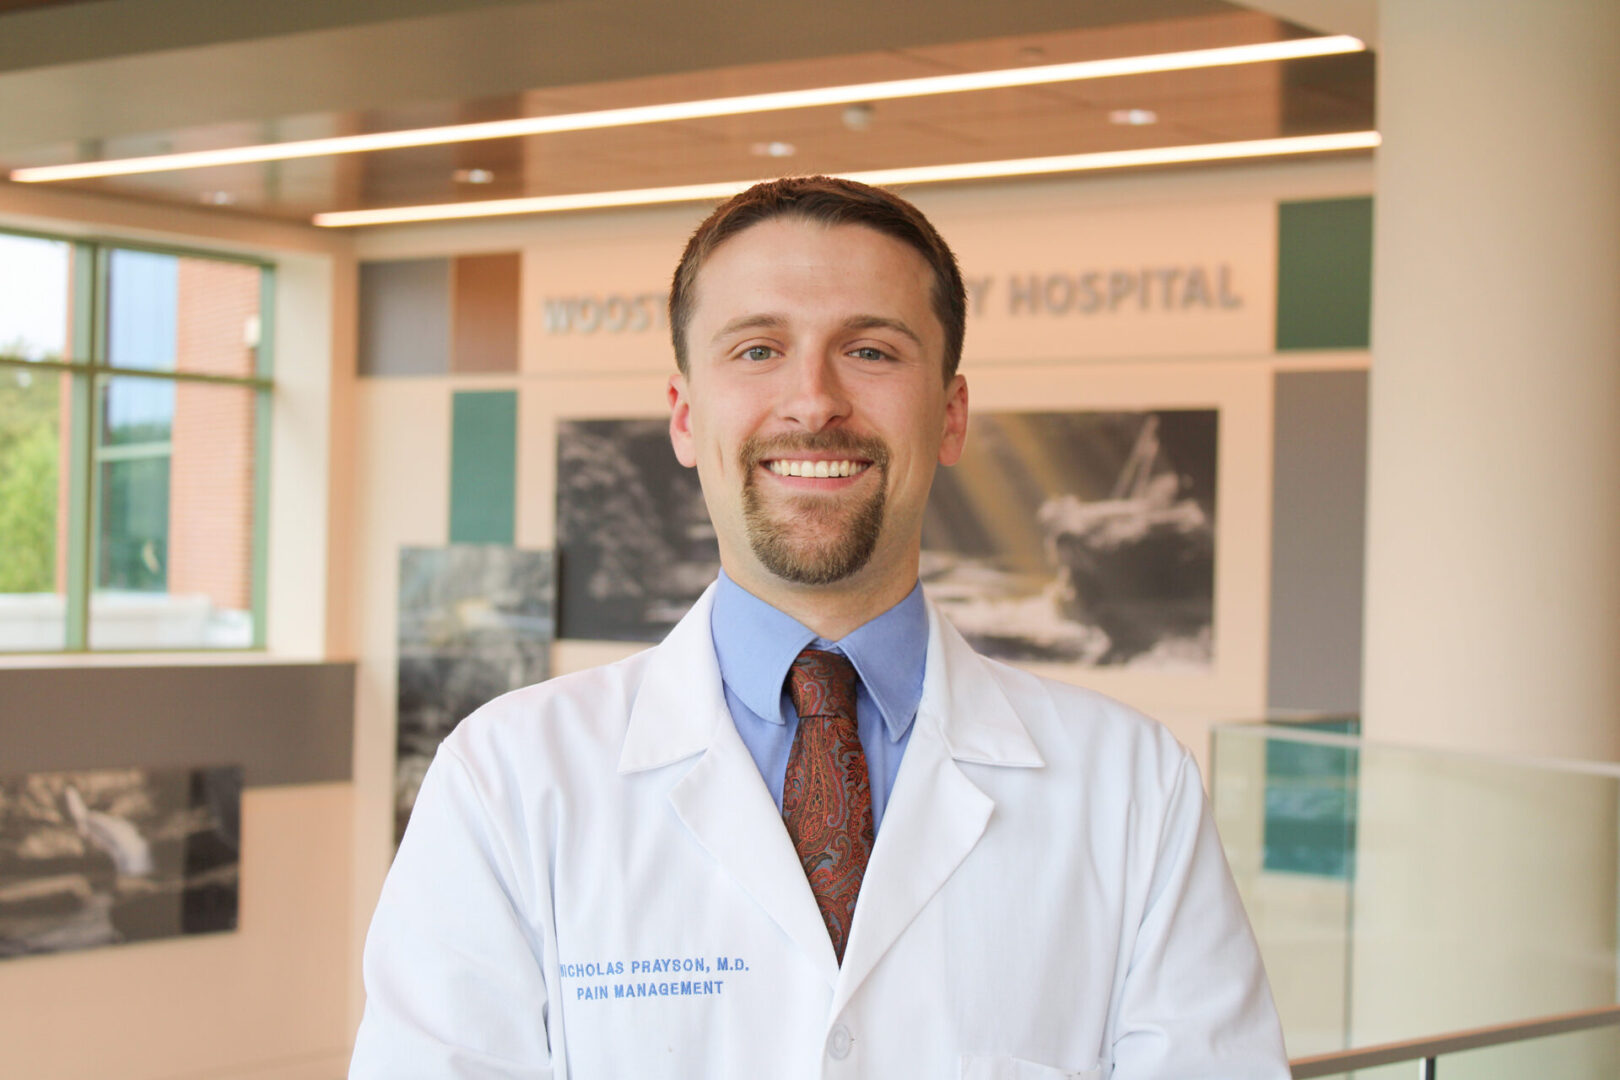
pixel 866 352
pixel 757 352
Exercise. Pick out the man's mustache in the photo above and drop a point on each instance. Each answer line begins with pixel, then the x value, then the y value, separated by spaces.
pixel 847 444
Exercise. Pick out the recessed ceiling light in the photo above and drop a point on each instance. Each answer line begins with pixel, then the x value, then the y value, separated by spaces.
pixel 773 149
pixel 1133 117
pixel 1292 49
pixel 975 170
pixel 217 198
pixel 858 117
pixel 473 176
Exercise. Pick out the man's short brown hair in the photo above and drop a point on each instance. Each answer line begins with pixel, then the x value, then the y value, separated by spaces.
pixel 827 200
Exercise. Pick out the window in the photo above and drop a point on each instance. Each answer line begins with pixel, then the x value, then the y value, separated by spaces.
pixel 134 408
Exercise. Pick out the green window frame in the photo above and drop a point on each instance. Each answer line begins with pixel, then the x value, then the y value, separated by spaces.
pixel 91 269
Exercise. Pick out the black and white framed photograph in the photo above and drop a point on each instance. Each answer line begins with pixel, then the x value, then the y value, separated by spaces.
pixel 634 541
pixel 109 856
pixel 475 620
pixel 1080 538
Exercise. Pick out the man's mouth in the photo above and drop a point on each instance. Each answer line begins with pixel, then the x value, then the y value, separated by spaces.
pixel 801 467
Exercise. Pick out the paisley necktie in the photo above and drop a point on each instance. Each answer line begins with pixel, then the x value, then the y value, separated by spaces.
pixel 827 796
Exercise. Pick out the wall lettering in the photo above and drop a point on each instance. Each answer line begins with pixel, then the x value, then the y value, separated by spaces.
pixel 1151 289
pixel 615 313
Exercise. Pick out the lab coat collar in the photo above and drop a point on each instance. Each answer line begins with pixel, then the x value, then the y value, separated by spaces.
pixel 962 697
pixel 681 701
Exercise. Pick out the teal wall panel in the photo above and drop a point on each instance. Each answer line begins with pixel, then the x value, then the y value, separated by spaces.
pixel 483 467
pixel 1313 803
pixel 1324 274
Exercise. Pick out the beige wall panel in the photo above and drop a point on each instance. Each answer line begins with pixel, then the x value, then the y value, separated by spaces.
pixel 567 656
pixel 1045 284
pixel 267 1000
pixel 596 305
pixel 1069 284
pixel 402 451
pixel 303 472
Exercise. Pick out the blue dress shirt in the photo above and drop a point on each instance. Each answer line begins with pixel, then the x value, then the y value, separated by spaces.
pixel 756 645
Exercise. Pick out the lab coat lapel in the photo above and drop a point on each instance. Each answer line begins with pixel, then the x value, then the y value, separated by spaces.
pixel 680 710
pixel 936 814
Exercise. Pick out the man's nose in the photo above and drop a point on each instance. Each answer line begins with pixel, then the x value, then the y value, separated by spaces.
pixel 816 395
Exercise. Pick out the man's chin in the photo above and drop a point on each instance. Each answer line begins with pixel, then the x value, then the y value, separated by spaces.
pixel 810 566
pixel 825 552
pixel 813 539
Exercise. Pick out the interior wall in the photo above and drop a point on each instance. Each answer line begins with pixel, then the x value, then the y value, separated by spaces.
pixel 336 531
pixel 269 1000
pixel 1024 362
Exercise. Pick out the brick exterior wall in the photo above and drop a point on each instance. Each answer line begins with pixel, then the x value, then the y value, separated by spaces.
pixel 211 468
pixel 212 460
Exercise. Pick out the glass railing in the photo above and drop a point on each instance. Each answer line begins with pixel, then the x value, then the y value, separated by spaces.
pixel 1399 892
pixel 1501 1050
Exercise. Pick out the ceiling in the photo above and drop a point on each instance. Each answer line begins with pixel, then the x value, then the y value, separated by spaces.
pixel 95 79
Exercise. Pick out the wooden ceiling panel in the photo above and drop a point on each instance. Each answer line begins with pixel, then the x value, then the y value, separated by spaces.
pixel 1220 104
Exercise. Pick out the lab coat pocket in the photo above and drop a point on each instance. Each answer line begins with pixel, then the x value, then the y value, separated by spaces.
pixel 978 1067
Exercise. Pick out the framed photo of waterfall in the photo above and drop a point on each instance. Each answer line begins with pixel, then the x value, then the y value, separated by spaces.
pixel 109 856
pixel 1080 538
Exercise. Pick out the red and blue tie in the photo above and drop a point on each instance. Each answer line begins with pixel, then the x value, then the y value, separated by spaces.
pixel 827 796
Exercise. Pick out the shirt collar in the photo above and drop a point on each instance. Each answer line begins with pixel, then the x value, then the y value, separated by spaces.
pixel 755 645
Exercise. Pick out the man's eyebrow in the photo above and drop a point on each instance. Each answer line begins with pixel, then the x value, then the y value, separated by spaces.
pixel 775 321
pixel 765 321
pixel 878 322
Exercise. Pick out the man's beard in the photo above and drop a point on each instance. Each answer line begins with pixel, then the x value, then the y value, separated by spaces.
pixel 789 543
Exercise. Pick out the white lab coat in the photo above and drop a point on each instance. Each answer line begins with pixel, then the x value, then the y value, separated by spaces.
pixel 596 884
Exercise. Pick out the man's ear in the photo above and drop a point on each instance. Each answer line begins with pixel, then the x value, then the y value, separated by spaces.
pixel 956 418
pixel 680 422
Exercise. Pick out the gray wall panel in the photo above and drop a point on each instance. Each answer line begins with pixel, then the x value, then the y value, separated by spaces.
pixel 1318 540
pixel 405 317
pixel 284 723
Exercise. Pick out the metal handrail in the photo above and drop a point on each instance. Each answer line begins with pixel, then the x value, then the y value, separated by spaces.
pixel 1426 1050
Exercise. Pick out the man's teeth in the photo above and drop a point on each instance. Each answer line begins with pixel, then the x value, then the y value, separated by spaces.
pixel 816 468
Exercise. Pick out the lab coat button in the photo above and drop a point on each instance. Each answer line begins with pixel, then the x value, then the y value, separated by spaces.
pixel 839 1042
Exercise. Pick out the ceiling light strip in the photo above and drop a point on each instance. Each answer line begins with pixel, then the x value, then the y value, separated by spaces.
pixel 976 170
pixel 1271 51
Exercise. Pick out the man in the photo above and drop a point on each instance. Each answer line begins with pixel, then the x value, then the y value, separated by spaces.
pixel 812 833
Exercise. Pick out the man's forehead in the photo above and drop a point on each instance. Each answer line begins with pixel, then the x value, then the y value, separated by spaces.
pixel 773 252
